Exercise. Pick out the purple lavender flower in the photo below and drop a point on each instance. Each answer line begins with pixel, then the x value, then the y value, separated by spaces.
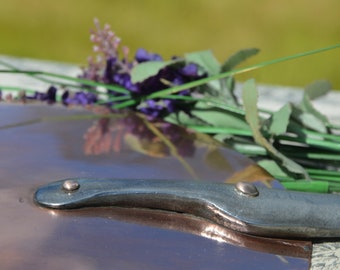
pixel 173 75
pixel 110 68
pixel 106 62
pixel 118 72
pixel 190 70
pixel 153 109
pixel 143 55
pixel 79 98
pixel 64 97
pixel 124 79
pixel 49 96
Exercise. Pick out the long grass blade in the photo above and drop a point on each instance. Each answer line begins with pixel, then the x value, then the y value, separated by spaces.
pixel 196 83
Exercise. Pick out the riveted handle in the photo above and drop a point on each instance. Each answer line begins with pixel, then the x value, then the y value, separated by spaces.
pixel 244 208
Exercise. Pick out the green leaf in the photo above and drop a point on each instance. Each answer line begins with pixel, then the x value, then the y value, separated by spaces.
pixel 227 91
pixel 308 120
pixel 223 138
pixel 206 60
pixel 249 97
pixel 145 70
pixel 224 87
pixel 210 89
pixel 273 168
pixel 218 117
pixel 278 122
pixel 308 116
pixel 308 106
pixel 183 119
pixel 317 89
pixel 148 69
pixel 237 58
pixel 218 89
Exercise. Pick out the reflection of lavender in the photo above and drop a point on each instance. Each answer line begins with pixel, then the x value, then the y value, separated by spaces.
pixel 179 137
pixel 98 138
pixel 104 137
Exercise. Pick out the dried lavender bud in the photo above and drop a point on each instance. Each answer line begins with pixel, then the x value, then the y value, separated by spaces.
pixel 143 55
pixel 79 98
pixel 106 61
pixel 190 70
pixel 49 96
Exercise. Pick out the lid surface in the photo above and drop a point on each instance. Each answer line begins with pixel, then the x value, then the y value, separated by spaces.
pixel 40 144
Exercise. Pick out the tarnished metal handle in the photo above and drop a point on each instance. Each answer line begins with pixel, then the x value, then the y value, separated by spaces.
pixel 244 208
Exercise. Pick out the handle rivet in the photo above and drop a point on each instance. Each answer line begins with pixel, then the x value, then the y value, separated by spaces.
pixel 246 189
pixel 70 185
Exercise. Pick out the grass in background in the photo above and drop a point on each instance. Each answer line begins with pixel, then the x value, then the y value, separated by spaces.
pixel 59 30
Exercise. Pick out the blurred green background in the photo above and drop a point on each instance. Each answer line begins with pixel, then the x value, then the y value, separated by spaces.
pixel 59 30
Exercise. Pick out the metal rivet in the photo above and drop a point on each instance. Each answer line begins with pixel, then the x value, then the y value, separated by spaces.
pixel 70 185
pixel 246 189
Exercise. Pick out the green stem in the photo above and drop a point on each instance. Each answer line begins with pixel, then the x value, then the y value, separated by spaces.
pixel 17 89
pixel 16 69
pixel 249 149
pixel 221 130
pixel 303 132
pixel 196 83
pixel 113 99
pixel 115 88
pixel 326 178
pixel 333 146
pixel 324 172
pixel 317 156
pixel 125 104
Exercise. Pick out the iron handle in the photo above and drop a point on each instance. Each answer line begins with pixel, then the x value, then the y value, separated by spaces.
pixel 267 212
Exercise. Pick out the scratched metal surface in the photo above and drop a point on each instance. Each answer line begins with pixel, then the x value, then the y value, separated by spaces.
pixel 34 238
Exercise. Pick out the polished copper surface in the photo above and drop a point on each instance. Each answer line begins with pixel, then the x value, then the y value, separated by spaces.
pixel 40 144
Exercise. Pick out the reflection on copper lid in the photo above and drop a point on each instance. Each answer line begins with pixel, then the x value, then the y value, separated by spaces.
pixel 153 138
pixel 198 226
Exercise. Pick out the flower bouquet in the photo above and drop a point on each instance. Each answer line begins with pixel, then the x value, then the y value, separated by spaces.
pixel 296 144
